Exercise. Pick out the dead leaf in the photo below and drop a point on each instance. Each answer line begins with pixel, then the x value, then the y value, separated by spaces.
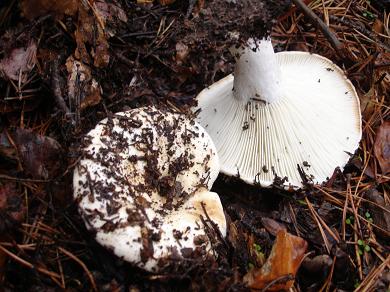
pixel 378 26
pixel 90 32
pixel 143 2
pixel 110 12
pixel 281 265
pixel 182 52
pixel 166 2
pixel 380 212
pixel 382 74
pixel 12 211
pixel 317 267
pixel 35 8
pixel 12 205
pixel 81 86
pixel 272 226
pixel 19 62
pixel 382 147
pixel 40 157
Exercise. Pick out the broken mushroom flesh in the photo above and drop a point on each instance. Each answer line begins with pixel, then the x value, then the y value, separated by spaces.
pixel 279 112
pixel 143 184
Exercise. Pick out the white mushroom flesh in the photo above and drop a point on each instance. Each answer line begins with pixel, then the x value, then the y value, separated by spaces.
pixel 143 187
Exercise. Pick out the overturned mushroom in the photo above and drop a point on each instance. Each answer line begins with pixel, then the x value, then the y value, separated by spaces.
pixel 143 187
pixel 281 111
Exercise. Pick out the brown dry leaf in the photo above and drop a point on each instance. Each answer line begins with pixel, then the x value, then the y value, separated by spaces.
pixel 380 215
pixel 12 210
pixel 317 267
pixel 166 2
pixel 82 88
pixel 382 147
pixel 34 8
pixel 285 258
pixel 182 52
pixel 378 26
pixel 110 12
pixel 145 1
pixel 41 157
pixel 272 226
pixel 12 204
pixel 382 73
pixel 90 32
pixel 19 62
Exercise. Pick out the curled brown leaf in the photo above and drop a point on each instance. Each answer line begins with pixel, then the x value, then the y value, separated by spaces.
pixel 281 266
pixel 19 62
pixel 382 147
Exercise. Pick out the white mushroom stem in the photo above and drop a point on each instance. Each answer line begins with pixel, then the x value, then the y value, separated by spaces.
pixel 257 74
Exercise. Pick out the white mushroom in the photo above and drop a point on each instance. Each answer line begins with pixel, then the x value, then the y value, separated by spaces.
pixel 143 187
pixel 281 111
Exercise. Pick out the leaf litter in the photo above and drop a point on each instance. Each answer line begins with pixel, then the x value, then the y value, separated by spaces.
pixel 70 64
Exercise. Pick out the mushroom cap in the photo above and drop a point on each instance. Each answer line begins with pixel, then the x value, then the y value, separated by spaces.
pixel 316 123
pixel 143 185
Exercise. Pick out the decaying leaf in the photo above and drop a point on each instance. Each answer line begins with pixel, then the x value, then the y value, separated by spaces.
pixel 83 90
pixel 379 211
pixel 166 2
pixel 272 226
pixel 182 52
pixel 382 74
pixel 142 2
pixel 281 266
pixel 317 267
pixel 90 32
pixel 35 8
pixel 12 205
pixel 40 157
pixel 12 211
pixel 382 147
pixel 110 12
pixel 19 62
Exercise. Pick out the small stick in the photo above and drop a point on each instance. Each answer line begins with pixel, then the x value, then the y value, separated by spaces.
pixel 57 89
pixel 77 260
pixel 332 38
pixel 27 264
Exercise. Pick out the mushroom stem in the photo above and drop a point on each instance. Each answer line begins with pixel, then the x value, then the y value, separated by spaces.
pixel 257 74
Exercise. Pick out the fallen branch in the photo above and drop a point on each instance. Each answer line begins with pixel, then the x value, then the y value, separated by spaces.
pixel 332 38
pixel 57 89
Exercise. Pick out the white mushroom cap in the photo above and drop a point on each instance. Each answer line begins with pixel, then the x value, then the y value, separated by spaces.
pixel 143 185
pixel 280 111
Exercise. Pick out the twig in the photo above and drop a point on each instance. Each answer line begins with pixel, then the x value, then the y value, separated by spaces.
pixel 327 245
pixel 7 177
pixel 336 44
pixel 213 224
pixel 77 260
pixel 27 264
pixel 357 26
pixel 57 89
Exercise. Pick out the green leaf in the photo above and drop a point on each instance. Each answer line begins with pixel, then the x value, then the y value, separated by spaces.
pixel 360 242
pixel 257 247
pixel 367 248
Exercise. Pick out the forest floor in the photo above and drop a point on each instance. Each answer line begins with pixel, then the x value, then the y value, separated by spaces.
pixel 65 65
